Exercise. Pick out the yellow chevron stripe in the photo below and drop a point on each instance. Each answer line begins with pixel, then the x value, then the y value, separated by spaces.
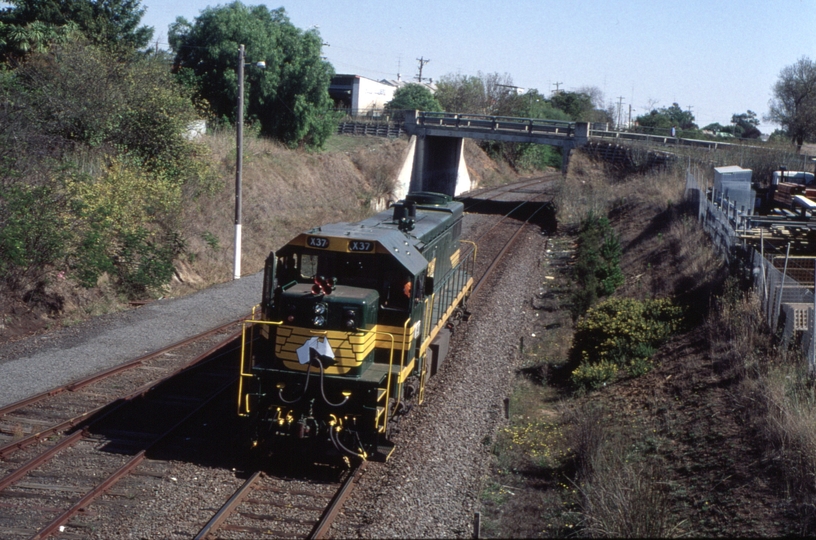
pixel 454 258
pixel 350 349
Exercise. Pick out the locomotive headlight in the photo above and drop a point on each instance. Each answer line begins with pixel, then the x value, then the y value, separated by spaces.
pixel 319 320
pixel 320 309
pixel 350 318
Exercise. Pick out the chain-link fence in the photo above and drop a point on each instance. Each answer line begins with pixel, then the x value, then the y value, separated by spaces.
pixel 783 282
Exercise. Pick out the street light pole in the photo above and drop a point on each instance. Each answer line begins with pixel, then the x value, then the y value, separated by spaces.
pixel 239 158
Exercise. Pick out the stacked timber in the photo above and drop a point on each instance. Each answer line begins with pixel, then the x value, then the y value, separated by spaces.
pixel 785 191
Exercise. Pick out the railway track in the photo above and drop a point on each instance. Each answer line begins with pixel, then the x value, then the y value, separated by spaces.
pixel 44 415
pixel 267 506
pixel 530 202
pixel 64 474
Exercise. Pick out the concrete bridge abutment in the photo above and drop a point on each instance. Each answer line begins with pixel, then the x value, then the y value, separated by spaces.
pixel 436 162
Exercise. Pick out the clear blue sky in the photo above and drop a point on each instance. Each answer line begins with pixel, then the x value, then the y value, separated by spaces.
pixel 717 56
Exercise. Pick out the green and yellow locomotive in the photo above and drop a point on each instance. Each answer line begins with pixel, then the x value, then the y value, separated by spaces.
pixel 353 321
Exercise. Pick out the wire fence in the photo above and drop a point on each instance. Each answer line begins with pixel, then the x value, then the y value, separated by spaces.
pixel 783 282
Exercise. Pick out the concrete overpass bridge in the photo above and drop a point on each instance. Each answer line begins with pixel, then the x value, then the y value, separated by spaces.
pixel 436 159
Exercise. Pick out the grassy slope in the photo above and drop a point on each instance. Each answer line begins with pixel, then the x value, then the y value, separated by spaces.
pixel 687 449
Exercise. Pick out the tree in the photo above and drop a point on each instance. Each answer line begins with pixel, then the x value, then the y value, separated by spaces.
pixel 118 212
pixel 793 105
pixel 576 104
pixel 667 117
pixel 413 97
pixel 461 94
pixel 600 112
pixel 502 96
pixel 29 25
pixel 716 127
pixel 289 99
pixel 745 125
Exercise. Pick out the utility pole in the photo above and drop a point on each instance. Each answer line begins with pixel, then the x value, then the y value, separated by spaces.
pixel 422 61
pixel 239 144
pixel 620 107
pixel 557 87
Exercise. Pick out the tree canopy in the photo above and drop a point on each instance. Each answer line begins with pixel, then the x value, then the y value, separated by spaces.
pixel 413 97
pixel 667 117
pixel 93 162
pixel 495 94
pixel 793 105
pixel 30 25
pixel 289 99
pixel 746 125
pixel 577 105
pixel 462 94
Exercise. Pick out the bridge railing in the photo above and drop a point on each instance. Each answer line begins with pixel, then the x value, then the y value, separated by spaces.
pixel 494 123
pixel 661 139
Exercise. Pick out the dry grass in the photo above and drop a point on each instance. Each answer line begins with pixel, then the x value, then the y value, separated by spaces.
pixel 284 192
pixel 777 392
pixel 624 500
pixel 585 189
pixel 720 436
pixel 621 495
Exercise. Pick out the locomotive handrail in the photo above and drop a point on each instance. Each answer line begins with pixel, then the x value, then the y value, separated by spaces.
pixel 241 373
pixel 474 251
pixel 402 356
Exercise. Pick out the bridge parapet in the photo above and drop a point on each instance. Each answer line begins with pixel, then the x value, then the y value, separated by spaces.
pixel 501 128
pixel 663 139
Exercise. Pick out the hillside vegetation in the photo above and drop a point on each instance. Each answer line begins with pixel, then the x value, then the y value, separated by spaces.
pixel 285 191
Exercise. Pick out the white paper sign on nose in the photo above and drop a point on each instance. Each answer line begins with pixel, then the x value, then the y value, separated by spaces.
pixel 321 347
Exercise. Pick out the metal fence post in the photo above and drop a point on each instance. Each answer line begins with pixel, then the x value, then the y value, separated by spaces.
pixel 781 290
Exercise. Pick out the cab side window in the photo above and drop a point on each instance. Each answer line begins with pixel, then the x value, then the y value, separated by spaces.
pixel 308 265
pixel 398 292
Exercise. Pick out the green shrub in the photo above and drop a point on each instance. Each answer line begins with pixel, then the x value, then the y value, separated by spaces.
pixel 620 332
pixel 126 229
pixel 593 376
pixel 597 270
pixel 34 232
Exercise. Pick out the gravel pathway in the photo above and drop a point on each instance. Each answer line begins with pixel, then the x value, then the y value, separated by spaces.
pixel 38 364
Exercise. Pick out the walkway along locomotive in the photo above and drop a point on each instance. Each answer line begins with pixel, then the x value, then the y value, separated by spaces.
pixel 353 321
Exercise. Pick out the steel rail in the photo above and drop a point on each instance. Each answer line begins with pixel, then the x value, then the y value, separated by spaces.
pixel 506 216
pixel 112 371
pixel 501 254
pixel 124 470
pixel 229 507
pixel 500 190
pixel 116 403
pixel 321 528
pixel 35 462
pixel 90 496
